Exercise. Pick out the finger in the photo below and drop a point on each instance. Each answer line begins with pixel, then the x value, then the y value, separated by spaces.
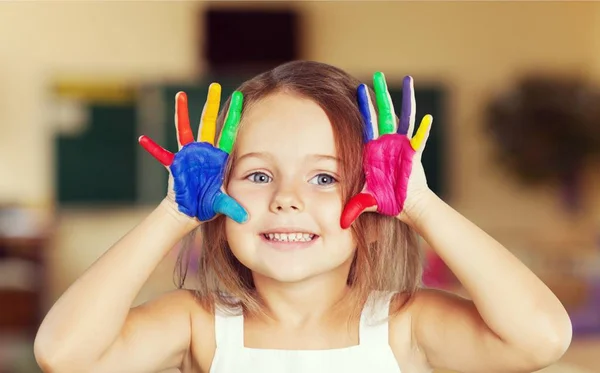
pixel 226 205
pixel 420 139
pixel 231 122
pixel 386 114
pixel 356 206
pixel 162 155
pixel 407 117
pixel 182 120
pixel 208 121
pixel 370 131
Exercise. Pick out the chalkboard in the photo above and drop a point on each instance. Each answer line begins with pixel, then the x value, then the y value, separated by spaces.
pixel 98 166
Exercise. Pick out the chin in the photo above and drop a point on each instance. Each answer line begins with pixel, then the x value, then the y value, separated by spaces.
pixel 299 269
pixel 285 276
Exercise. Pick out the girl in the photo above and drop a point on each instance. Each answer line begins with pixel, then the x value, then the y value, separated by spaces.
pixel 294 277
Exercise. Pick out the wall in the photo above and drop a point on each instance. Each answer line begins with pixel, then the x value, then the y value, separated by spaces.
pixel 474 48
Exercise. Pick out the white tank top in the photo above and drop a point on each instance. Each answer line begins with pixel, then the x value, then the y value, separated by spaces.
pixel 372 354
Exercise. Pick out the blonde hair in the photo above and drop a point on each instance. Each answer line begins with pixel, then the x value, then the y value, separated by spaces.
pixel 387 256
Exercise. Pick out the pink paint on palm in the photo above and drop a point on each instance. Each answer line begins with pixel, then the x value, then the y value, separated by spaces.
pixel 387 163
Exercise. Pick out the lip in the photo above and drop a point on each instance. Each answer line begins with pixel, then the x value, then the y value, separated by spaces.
pixel 288 246
pixel 288 230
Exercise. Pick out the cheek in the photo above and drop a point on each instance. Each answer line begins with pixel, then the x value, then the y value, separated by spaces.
pixel 240 238
pixel 233 235
pixel 251 198
pixel 329 203
pixel 326 209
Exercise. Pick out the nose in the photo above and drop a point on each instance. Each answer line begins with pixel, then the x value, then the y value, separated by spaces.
pixel 286 200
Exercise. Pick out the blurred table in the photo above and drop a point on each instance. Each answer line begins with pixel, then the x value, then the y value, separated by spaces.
pixel 22 274
pixel 23 246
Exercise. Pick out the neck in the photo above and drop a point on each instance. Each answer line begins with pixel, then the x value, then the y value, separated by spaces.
pixel 313 300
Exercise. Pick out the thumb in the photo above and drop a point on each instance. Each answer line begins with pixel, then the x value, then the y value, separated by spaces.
pixel 356 206
pixel 226 205
pixel 420 139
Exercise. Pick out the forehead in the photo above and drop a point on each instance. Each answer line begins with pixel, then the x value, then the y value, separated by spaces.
pixel 283 123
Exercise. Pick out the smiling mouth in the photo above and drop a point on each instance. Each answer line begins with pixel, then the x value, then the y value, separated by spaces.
pixel 290 237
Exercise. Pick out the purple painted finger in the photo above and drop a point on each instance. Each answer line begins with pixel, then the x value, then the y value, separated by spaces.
pixel 407 114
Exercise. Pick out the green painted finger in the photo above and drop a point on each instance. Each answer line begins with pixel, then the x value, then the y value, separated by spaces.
pixel 232 122
pixel 386 117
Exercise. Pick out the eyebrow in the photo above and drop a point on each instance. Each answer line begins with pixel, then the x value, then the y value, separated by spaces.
pixel 269 156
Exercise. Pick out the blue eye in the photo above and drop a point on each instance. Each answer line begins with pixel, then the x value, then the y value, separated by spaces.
pixel 259 177
pixel 323 179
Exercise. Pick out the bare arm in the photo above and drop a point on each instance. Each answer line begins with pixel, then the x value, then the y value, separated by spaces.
pixel 514 323
pixel 92 320
pixel 156 336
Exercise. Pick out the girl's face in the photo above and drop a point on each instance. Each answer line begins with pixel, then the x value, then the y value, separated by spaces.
pixel 286 176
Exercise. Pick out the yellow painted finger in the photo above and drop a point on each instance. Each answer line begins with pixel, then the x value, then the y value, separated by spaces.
pixel 420 138
pixel 208 122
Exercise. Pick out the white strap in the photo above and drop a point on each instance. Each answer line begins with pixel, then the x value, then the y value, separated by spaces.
pixel 229 330
pixel 374 319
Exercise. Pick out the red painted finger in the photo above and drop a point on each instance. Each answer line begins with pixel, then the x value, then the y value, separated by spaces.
pixel 182 120
pixel 356 206
pixel 162 155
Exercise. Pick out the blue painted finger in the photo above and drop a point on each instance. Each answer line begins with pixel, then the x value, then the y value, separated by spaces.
pixel 368 113
pixel 226 205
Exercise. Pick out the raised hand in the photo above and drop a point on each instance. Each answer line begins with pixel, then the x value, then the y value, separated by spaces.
pixel 196 171
pixel 392 157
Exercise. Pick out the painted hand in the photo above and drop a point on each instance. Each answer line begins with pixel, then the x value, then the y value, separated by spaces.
pixel 196 170
pixel 392 158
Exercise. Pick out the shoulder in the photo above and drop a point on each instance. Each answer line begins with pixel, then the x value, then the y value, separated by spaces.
pixel 404 311
pixel 173 307
pixel 203 336
pixel 180 298
pixel 180 304
pixel 184 306
pixel 400 336
pixel 405 305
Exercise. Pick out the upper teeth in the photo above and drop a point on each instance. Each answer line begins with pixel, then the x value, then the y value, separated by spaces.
pixel 290 236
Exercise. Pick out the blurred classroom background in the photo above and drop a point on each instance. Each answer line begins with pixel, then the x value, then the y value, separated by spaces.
pixel 513 87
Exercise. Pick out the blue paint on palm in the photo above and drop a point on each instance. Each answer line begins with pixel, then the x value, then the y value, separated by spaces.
pixel 197 171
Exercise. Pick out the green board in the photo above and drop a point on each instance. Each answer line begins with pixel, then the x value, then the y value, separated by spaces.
pixel 98 166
